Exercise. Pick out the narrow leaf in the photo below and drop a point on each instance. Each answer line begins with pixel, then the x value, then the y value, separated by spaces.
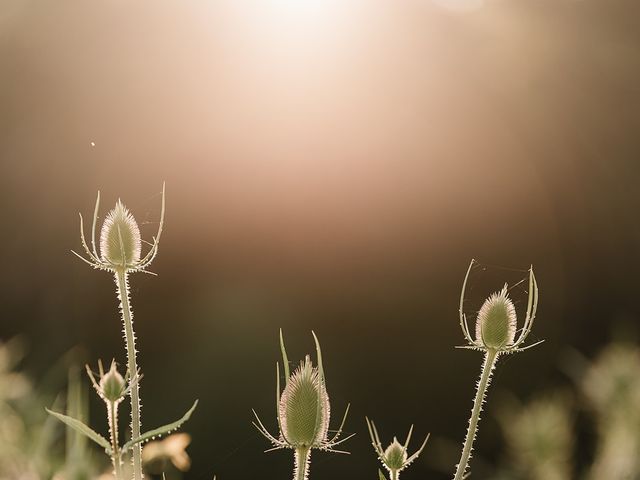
pixel 160 430
pixel 381 475
pixel 78 426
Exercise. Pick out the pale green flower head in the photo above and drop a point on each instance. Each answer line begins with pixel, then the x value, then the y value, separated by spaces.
pixel 496 322
pixel 304 408
pixel 120 243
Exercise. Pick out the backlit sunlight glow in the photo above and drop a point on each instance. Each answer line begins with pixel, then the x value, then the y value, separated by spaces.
pixel 460 5
pixel 302 11
pixel 300 6
pixel 291 26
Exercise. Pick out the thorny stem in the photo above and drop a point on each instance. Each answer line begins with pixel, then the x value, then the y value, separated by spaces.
pixel 112 409
pixel 132 365
pixel 302 461
pixel 485 378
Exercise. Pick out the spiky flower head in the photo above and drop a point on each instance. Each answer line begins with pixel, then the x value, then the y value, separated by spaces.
pixel 120 243
pixel 496 322
pixel 304 408
pixel 111 385
pixel 395 457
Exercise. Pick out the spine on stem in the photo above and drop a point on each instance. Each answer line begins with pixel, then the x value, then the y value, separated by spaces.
pixel 302 459
pixel 112 412
pixel 483 384
pixel 132 365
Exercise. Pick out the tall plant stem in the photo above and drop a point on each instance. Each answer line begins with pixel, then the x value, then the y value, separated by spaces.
pixel 302 461
pixel 395 475
pixel 483 384
pixel 112 408
pixel 132 365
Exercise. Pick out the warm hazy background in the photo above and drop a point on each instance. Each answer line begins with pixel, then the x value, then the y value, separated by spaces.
pixel 330 165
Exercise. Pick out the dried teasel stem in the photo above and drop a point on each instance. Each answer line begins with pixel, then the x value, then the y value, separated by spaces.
pixel 132 365
pixel 490 358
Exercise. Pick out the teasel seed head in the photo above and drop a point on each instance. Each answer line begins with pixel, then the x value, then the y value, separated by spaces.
pixel 304 407
pixel 120 243
pixel 497 322
pixel 303 410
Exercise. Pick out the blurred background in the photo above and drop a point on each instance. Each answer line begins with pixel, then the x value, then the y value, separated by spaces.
pixel 330 165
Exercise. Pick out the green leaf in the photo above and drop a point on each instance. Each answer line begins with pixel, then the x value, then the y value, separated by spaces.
pixel 381 475
pixel 78 426
pixel 160 430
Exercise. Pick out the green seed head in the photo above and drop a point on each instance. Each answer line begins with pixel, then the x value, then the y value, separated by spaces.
pixel 120 243
pixel 496 322
pixel 112 385
pixel 395 456
pixel 299 410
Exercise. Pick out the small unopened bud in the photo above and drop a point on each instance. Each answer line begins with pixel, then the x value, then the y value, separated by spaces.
pixel 298 409
pixel 395 456
pixel 112 385
pixel 120 243
pixel 496 322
